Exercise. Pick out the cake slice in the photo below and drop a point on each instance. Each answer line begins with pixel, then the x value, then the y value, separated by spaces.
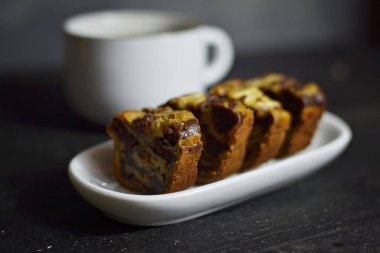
pixel 155 150
pixel 271 121
pixel 225 125
pixel 306 103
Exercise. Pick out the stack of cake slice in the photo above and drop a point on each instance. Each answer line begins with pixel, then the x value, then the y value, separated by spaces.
pixel 203 138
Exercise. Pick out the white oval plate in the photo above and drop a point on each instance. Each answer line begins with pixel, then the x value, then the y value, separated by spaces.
pixel 91 174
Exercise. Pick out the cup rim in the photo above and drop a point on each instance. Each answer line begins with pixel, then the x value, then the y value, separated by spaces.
pixel 192 23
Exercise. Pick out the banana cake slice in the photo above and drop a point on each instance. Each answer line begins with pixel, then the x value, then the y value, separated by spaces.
pixel 225 125
pixel 156 150
pixel 271 121
pixel 306 102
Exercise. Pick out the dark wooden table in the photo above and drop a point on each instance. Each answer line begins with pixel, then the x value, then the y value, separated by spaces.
pixel 335 210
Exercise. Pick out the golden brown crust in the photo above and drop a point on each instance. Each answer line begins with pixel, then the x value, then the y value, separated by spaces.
pixel 301 134
pixel 271 121
pixel 186 171
pixel 155 154
pixel 225 125
pixel 231 160
pixel 271 141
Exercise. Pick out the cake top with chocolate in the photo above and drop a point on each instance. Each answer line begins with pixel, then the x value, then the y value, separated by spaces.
pixel 311 93
pixel 221 114
pixel 274 81
pixel 162 121
pixel 188 101
pixel 250 96
pixel 198 101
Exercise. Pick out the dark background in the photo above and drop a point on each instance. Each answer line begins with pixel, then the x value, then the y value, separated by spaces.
pixel 335 210
pixel 31 32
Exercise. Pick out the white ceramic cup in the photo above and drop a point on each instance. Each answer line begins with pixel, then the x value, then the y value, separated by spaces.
pixel 130 59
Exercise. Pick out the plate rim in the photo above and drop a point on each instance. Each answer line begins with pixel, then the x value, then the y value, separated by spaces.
pixel 341 141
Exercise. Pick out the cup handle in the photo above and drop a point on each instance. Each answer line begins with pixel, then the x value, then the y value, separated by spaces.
pixel 224 54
